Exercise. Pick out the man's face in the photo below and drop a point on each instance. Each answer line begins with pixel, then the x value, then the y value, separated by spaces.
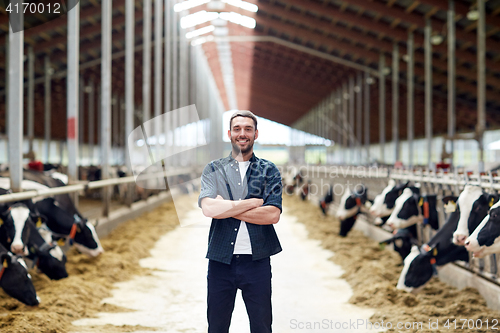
pixel 242 134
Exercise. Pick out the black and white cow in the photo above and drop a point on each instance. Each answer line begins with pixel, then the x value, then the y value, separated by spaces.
pixel 15 279
pixel 324 203
pixel 485 240
pixel 14 230
pixel 67 225
pixel 403 240
pixel 473 205
pixel 19 233
pixel 421 264
pixel 383 204
pixel 351 204
pixel 48 257
pixel 411 208
pixel 60 214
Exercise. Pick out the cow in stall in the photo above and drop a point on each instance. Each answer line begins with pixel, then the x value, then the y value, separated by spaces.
pixel 485 240
pixel 421 264
pixel 402 240
pixel 324 203
pixel 473 205
pixel 351 204
pixel 15 279
pixel 19 233
pixel 411 208
pixel 61 216
pixel 383 204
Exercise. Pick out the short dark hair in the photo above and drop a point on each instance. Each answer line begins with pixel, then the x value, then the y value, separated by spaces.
pixel 244 113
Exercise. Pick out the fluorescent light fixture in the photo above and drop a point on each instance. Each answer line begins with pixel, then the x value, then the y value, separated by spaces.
pixel 200 17
pixel 436 39
pixel 243 20
pixel 199 32
pixel 473 15
pixel 189 4
pixel 243 5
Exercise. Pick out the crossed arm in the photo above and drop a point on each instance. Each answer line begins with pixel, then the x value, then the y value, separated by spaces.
pixel 248 210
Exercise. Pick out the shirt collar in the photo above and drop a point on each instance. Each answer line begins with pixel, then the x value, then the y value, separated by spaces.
pixel 252 159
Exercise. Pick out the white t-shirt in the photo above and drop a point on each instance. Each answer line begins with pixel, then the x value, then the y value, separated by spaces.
pixel 242 244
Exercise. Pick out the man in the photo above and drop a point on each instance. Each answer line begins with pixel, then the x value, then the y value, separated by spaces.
pixel 242 195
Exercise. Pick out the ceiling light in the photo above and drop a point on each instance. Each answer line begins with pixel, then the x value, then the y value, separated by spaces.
pixel 473 15
pixel 369 80
pixel 189 4
pixel 436 39
pixel 406 57
pixel 357 89
pixel 386 71
pixel 243 5
pixel 198 18
pixel 243 20
pixel 199 32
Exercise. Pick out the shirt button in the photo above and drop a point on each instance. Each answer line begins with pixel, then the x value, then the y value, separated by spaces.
pixel 232 243
pixel 235 229
pixel 236 169
pixel 239 184
pixel 231 165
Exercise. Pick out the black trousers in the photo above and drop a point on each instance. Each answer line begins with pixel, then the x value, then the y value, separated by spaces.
pixel 254 280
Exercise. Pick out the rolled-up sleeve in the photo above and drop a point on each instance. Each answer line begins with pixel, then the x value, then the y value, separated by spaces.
pixel 273 188
pixel 208 184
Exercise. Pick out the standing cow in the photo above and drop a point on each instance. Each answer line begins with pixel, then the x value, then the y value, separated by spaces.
pixel 383 204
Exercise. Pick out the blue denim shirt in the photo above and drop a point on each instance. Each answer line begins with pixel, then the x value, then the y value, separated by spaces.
pixel 263 180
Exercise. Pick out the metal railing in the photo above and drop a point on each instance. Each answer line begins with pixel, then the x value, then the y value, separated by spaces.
pixel 30 194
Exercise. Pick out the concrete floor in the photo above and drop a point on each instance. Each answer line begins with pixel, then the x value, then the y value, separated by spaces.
pixel 307 289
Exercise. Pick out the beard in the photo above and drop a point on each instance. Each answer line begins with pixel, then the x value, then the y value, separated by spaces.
pixel 239 150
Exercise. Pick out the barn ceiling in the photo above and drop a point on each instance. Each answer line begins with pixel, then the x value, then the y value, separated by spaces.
pixel 283 83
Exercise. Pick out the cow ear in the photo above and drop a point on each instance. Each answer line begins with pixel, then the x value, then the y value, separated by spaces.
pixel 5 258
pixel 449 198
pixel 492 199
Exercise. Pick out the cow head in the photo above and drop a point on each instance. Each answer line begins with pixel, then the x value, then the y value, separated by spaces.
pixel 48 257
pixel 406 210
pixel 402 241
pixel 351 204
pixel 61 222
pixel 420 265
pixel 15 279
pixel 417 270
pixel 473 205
pixel 383 204
pixel 485 240
pixel 14 231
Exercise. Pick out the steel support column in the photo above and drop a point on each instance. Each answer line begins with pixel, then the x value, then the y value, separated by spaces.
pixel 47 105
pixel 146 66
pixel 410 97
pixel 481 81
pixel 451 74
pixel 158 75
pixel 395 101
pixel 129 88
pixel 381 106
pixel 73 93
pixel 366 91
pixel 428 90
pixel 105 130
pixel 350 127
pixel 31 97
pixel 168 79
pixel 91 120
pixel 15 96
pixel 359 114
